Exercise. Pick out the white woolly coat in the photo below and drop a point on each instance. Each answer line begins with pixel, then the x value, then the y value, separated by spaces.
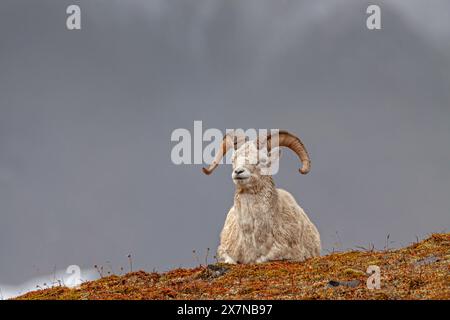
pixel 267 224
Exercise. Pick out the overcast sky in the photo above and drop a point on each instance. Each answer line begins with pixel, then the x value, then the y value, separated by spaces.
pixel 86 118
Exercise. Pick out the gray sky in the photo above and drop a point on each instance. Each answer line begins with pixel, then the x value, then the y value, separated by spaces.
pixel 86 118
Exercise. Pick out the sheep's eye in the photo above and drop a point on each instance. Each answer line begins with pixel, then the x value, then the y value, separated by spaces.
pixel 262 161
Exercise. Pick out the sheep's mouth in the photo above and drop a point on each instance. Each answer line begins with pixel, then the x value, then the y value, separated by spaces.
pixel 240 179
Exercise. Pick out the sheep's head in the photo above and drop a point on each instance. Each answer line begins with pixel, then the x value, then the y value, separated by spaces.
pixel 254 159
pixel 249 164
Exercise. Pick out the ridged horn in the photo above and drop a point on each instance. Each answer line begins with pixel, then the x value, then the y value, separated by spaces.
pixel 229 141
pixel 291 141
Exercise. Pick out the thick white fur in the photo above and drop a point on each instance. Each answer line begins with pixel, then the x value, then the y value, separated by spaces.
pixel 264 223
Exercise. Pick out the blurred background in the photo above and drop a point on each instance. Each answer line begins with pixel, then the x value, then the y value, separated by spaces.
pixel 86 118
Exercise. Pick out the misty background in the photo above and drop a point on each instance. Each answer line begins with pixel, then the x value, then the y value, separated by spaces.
pixel 86 118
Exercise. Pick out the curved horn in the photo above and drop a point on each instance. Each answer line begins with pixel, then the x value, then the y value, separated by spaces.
pixel 230 140
pixel 291 141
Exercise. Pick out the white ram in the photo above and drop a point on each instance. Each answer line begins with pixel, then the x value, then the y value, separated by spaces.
pixel 265 223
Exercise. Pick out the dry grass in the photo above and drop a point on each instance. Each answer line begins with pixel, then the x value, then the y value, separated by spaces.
pixel 420 271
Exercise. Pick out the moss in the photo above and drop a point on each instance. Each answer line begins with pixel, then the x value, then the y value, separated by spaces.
pixel 401 278
pixel 354 272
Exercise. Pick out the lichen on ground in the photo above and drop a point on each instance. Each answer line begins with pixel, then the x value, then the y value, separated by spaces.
pixel 419 271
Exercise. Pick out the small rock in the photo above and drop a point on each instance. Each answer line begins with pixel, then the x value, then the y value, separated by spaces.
pixel 350 284
pixel 213 271
pixel 333 283
pixel 218 270
pixel 425 261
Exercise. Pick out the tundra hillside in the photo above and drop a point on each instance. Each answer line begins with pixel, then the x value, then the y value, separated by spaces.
pixel 419 271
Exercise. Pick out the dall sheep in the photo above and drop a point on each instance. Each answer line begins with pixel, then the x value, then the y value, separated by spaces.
pixel 265 223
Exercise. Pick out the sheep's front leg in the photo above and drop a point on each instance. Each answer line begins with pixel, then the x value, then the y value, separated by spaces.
pixel 262 259
pixel 228 239
pixel 224 256
pixel 228 259
pixel 274 254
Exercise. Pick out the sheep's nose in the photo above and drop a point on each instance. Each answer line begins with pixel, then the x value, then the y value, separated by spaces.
pixel 238 171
